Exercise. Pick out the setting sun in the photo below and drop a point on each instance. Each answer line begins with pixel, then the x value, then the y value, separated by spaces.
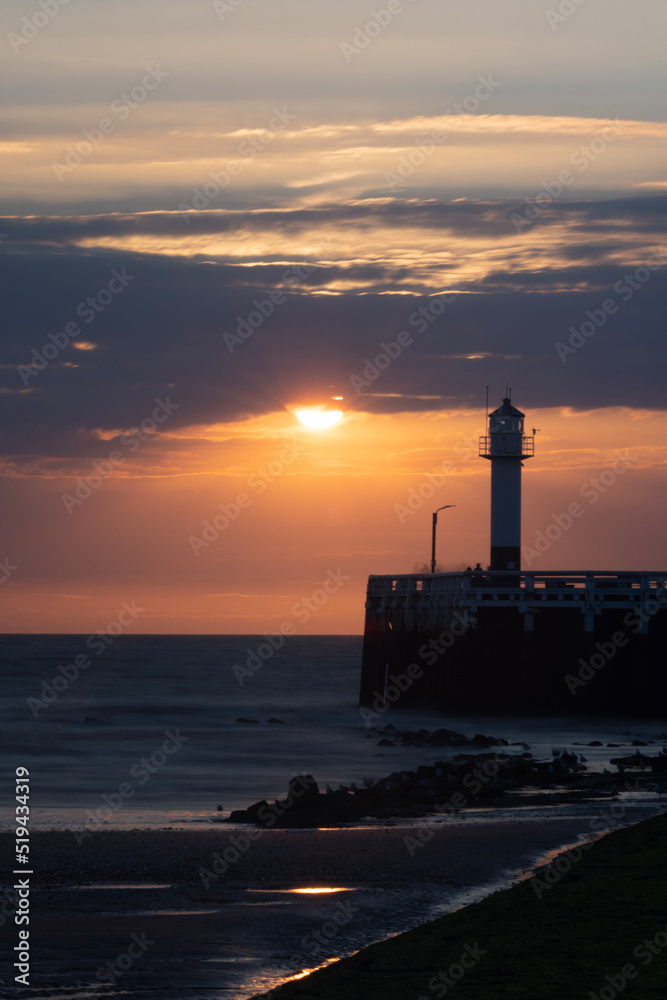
pixel 317 418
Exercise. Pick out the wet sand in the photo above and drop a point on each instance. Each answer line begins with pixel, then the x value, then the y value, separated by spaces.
pixel 241 932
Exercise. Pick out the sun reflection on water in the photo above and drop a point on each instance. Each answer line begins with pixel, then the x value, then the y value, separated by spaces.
pixel 309 890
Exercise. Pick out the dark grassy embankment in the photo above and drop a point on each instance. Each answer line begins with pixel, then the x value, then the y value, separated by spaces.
pixel 599 930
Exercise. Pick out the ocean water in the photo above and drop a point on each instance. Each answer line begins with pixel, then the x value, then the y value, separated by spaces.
pixel 173 703
pixel 159 717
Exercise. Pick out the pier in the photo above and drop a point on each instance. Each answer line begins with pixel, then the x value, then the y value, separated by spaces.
pixel 518 641
pixel 581 642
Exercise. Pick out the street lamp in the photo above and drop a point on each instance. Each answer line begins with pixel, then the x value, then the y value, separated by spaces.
pixel 435 522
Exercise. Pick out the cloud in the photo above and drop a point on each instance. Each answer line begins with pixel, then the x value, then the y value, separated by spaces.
pixel 166 333
pixel 285 151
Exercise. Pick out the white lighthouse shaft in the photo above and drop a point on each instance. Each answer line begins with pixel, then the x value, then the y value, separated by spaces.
pixel 506 448
pixel 506 513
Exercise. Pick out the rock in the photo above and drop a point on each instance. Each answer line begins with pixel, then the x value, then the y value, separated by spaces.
pixel 276 722
pixel 249 815
pixel 634 760
pixel 304 805
pixel 305 792
pixel 412 794
pixel 440 737
pixel 249 722
pixel 385 743
pixel 595 743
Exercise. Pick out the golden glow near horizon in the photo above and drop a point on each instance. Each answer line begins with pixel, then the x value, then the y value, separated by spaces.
pixel 317 418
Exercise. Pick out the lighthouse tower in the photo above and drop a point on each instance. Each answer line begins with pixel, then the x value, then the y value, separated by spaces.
pixel 506 447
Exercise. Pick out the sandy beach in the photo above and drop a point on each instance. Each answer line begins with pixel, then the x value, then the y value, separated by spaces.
pixel 190 932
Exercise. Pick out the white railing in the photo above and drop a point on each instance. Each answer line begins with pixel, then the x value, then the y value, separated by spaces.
pixel 481 585
pixel 425 601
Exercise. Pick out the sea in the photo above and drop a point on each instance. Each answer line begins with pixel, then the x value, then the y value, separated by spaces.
pixel 172 731
pixel 218 721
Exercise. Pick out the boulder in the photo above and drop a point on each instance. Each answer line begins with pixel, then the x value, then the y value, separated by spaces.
pixel 249 815
pixel 305 791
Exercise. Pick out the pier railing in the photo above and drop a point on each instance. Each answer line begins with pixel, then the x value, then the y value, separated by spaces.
pixel 422 600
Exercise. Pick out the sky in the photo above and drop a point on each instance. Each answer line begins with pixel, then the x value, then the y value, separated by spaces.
pixel 214 214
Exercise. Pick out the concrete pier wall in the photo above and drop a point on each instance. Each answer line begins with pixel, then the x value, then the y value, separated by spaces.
pixel 550 643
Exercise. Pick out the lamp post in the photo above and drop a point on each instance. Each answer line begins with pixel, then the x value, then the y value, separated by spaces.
pixel 435 522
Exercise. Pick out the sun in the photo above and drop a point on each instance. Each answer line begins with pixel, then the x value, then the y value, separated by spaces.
pixel 317 417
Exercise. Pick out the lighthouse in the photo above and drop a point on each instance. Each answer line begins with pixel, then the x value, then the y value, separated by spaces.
pixel 511 640
pixel 506 447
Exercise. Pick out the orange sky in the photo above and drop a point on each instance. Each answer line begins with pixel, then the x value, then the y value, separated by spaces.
pixel 352 500
pixel 185 172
